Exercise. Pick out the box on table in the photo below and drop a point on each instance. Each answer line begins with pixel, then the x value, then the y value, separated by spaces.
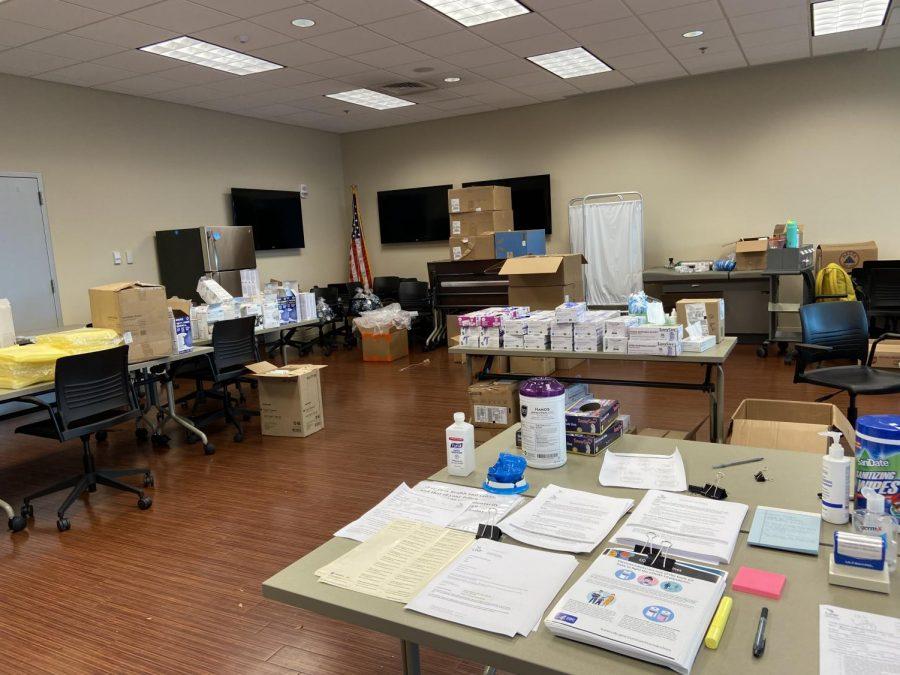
pixel 562 343
pixel 537 341
pixel 180 325
pixel 494 404
pixel 887 354
pixel 656 333
pixel 791 259
pixel 750 253
pixel 212 292
pixel 788 425
pixel 594 323
pixel 593 444
pixel 385 347
pixel 290 398
pixel 576 391
pixel 618 327
pixel 848 256
pixel 591 415
pixel 568 364
pixel 138 312
pixel 543 282
pixel 479 198
pixel 570 312
pixel 7 330
pixel 615 345
pixel 646 348
pixel 472 247
pixel 588 344
pixel 708 312
pixel 481 221
pixel 287 308
pixel 519 243
pixel 674 434
pixel 514 341
pixel 691 345
pixel 249 283
pixel 531 365
pixel 483 435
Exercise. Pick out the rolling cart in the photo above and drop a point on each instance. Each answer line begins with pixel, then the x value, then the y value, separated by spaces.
pixel 778 310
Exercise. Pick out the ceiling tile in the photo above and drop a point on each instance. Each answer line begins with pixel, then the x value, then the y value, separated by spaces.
pixel 481 57
pixel 686 15
pixel 541 5
pixel 601 81
pixel 315 90
pixel 188 95
pixel 673 37
pixel 450 43
pixel 416 26
pixel 515 28
pixel 774 36
pixel 181 16
pixel 645 6
pixel 248 8
pixel 414 69
pixel 456 103
pixel 351 41
pixel 638 59
pixel 367 11
pixel 285 77
pixel 599 33
pixel 586 13
pixel 539 76
pixel 125 33
pixel 542 44
pixel 550 90
pixel 709 63
pixel 504 97
pixel 74 47
pixel 784 51
pixel 370 78
pixel 326 22
pixel 390 56
pixel 496 71
pixel 52 14
pixel 13 33
pixel 307 117
pixel 775 18
pixel 242 36
pixel 142 84
pixel 655 71
pixel 138 62
pixel 867 38
pixel 113 6
pixel 629 45
pixel 741 7
pixel 714 46
pixel 293 54
pixel 193 74
pixel 434 95
pixel 273 110
pixel 23 61
pixel 471 89
pixel 86 74
pixel 247 84
pixel 337 67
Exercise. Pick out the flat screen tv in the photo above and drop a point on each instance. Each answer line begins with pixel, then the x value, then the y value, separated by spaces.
pixel 414 215
pixel 530 200
pixel 274 215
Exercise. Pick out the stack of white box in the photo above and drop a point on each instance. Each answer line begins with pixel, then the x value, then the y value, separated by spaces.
pixel 562 336
pixel 537 330
pixel 588 335
pixel 491 337
pixel 249 283
pixel 615 333
pixel 655 340
pixel 486 327
pixel 306 306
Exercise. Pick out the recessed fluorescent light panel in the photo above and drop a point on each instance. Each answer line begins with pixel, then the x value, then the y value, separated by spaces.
pixel 370 99
pixel 474 12
pixel 571 63
pixel 837 16
pixel 211 56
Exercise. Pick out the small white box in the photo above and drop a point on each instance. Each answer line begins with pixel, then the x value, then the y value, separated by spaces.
pixel 588 344
pixel 618 327
pixel 698 344
pixel 570 312
pixel 469 340
pixel 661 334
pixel 615 345
pixel 516 326
pixel 212 292
pixel 539 341
pixel 493 333
pixel 513 341
pixel 249 283
pixel 470 331
pixel 558 329
pixel 562 344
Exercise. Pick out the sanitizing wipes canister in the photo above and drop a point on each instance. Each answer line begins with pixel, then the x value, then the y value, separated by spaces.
pixel 542 402
pixel 878 460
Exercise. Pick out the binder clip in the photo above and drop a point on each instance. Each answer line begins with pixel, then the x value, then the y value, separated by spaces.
pixel 760 476
pixel 712 491
pixel 489 530
pixel 657 557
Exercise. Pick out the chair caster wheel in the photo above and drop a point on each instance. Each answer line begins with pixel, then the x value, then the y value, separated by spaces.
pixel 63 524
pixel 101 436
pixel 141 434
pixel 145 503
pixel 191 437
pixel 149 480
pixel 238 437
pixel 17 523
pixel 27 511
pixel 159 439
pixel 762 352
pixel 209 449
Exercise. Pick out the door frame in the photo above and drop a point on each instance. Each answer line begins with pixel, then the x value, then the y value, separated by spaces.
pixel 51 261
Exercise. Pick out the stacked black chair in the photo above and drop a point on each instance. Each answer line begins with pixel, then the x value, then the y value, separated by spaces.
pixel 415 297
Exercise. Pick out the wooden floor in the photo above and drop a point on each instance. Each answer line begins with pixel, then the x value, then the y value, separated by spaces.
pixel 177 588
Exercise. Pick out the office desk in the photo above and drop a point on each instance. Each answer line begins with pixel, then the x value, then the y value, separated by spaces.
pixel 712 359
pixel 793 621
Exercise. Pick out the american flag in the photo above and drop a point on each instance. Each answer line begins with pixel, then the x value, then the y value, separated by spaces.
pixel 359 261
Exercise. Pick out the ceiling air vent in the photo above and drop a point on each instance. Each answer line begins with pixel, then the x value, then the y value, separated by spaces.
pixel 408 88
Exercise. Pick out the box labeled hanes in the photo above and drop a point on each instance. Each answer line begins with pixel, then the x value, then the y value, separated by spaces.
pixel 593 444
pixel 591 415
pixel 519 243
pixel 479 198
pixel 479 222
pixel 138 312
pixel 290 398
pixel 494 404
pixel 472 247
pixel 708 312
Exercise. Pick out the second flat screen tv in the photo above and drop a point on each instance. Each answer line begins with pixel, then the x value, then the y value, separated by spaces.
pixel 274 215
pixel 414 215
pixel 530 200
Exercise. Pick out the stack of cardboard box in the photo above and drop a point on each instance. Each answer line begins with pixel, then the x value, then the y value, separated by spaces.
pixel 476 213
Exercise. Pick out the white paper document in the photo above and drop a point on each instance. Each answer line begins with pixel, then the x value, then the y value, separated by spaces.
pixel 404 504
pixel 561 519
pixel 501 588
pixel 852 642
pixel 696 527
pixel 645 472
pixel 484 507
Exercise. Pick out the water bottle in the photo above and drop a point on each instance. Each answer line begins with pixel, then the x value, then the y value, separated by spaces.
pixel 792 234
pixel 460 446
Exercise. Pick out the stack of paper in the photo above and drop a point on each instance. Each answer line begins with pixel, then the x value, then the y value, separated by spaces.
pixel 646 472
pixel 561 519
pixel 697 527
pixel 397 562
pixel 796 531
pixel 852 642
pixel 496 587
pixel 484 507
pixel 404 504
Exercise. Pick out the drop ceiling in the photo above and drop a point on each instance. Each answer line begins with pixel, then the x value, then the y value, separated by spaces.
pixel 371 43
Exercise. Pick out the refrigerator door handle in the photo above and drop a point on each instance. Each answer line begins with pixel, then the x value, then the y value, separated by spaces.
pixel 211 235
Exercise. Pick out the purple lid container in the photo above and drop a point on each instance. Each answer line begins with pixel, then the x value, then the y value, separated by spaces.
pixel 542 387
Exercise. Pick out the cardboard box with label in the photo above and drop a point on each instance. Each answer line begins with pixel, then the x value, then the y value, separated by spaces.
pixel 290 398
pixel 520 242
pixel 788 425
pixel 708 312
pixel 494 404
pixel 479 198
pixel 385 347
pixel 180 325
pixel 543 282
pixel 138 312
pixel 483 435
pixel 750 253
pixel 472 247
pixel 848 256
pixel 531 365
pixel 479 222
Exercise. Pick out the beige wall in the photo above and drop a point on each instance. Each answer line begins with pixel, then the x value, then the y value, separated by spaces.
pixel 116 168
pixel 716 157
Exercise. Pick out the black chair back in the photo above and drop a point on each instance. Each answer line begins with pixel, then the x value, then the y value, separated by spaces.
pixel 234 345
pixel 883 288
pixel 329 293
pixel 840 325
pixel 386 287
pixel 413 295
pixel 93 383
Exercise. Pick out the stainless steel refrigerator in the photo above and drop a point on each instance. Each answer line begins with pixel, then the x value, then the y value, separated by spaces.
pixel 221 253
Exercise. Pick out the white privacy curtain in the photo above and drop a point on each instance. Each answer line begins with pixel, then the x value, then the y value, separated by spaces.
pixel 612 242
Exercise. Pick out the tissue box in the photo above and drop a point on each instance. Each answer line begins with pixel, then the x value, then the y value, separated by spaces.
pixel 591 415
pixel 570 312
pixel 709 313
pixel 698 344
pixel 594 444
pixel 200 323
pixel 306 306
pixel 615 345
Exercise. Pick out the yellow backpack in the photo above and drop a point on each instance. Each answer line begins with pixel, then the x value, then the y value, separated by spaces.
pixel 834 280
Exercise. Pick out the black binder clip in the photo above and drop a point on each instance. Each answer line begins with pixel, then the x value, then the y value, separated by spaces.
pixel 656 557
pixel 712 491
pixel 489 530
pixel 761 477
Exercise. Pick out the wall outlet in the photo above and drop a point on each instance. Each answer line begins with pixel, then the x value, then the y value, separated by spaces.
pixel 117 258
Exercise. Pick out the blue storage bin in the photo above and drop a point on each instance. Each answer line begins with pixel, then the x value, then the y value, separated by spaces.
pixel 520 242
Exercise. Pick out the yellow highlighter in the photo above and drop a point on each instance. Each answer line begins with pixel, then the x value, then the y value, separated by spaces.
pixel 717 625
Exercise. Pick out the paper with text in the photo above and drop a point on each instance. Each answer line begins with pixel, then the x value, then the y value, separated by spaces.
pixel 852 642
pixel 645 472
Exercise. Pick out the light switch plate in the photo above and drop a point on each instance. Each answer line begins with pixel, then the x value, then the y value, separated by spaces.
pixel 117 258
pixel 129 257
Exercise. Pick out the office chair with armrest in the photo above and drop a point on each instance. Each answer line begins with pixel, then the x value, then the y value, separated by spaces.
pixel 386 288
pixel 840 330
pixel 881 286
pixel 93 393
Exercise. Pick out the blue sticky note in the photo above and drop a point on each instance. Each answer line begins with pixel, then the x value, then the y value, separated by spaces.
pixel 796 531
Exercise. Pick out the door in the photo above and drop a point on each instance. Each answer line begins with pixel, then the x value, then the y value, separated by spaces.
pixel 229 248
pixel 27 274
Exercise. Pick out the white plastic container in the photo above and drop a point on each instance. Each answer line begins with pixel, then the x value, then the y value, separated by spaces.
pixel 460 446
pixel 835 481
pixel 542 402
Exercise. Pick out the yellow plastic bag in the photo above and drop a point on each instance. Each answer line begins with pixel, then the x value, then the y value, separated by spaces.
pixel 81 340
pixel 27 365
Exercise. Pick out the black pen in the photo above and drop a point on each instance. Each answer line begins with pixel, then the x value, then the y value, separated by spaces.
pixel 759 644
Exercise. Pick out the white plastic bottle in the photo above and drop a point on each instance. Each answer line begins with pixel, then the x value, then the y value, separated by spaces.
pixel 835 481
pixel 460 446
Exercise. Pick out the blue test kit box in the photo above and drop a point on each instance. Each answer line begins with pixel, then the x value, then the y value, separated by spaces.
pixel 287 308
pixel 520 242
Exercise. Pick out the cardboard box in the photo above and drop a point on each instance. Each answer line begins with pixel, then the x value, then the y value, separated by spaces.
pixel 531 365
pixel 479 198
pixel 472 247
pixel 7 330
pixel 494 404
pixel 290 398
pixel 385 347
pixel 708 312
pixel 520 242
pixel 464 224
pixel 750 253
pixel 887 355
pixel 780 231
pixel 788 425
pixel 848 256
pixel 568 364
pixel 543 282
pixel 180 325
pixel 138 312
pixel 591 415
pixel 484 435
pixel 500 365
pixel 593 444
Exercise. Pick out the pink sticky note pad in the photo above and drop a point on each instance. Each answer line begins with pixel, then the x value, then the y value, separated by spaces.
pixel 759 582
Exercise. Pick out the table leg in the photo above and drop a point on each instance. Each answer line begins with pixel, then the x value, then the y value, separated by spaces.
pixel 170 412
pixel 469 368
pixel 717 408
pixel 283 348
pixel 410 658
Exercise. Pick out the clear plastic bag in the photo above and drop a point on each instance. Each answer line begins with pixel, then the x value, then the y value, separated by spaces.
pixel 383 320
pixel 22 366
pixel 80 340
pixel 364 301
pixel 324 311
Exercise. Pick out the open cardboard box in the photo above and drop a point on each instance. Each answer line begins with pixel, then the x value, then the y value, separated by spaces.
pixel 290 398
pixel 544 281
pixel 887 355
pixel 788 425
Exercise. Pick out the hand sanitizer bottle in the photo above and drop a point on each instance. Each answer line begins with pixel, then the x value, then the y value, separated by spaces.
pixel 835 481
pixel 460 446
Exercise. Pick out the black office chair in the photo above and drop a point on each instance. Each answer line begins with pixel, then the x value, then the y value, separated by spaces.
pixel 234 347
pixel 881 288
pixel 386 288
pixel 93 393
pixel 414 297
pixel 840 330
